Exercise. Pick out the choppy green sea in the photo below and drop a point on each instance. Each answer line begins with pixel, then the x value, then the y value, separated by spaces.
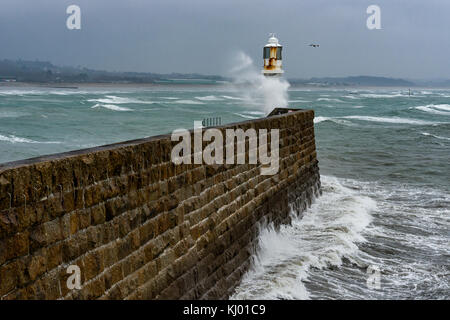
pixel 384 161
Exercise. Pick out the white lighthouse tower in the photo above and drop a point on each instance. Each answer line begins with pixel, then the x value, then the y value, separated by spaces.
pixel 272 57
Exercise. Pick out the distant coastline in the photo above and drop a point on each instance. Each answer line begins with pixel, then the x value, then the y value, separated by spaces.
pixel 39 73
pixel 79 86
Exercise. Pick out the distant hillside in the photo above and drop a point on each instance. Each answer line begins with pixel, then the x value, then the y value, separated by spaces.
pixel 354 81
pixel 46 72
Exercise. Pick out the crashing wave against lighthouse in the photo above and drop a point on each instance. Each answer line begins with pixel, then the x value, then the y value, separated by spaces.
pixel 264 90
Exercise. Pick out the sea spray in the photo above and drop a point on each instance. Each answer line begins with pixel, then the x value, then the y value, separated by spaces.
pixel 256 90
pixel 328 232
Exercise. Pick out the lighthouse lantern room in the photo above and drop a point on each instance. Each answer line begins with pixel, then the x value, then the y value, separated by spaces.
pixel 272 57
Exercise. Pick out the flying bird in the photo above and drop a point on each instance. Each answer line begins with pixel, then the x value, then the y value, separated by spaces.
pixel 314 45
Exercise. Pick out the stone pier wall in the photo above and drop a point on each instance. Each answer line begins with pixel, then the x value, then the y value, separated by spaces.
pixel 140 227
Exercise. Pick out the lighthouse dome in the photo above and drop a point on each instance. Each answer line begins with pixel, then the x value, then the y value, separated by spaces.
pixel 273 41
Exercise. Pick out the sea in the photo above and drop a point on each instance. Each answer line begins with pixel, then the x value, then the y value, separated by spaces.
pixel 380 229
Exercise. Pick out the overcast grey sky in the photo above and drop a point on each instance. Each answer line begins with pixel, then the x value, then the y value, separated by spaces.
pixel 202 35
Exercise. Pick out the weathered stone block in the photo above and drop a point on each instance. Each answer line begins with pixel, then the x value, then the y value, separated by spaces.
pixel 127 211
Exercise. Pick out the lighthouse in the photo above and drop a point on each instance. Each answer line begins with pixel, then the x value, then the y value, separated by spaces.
pixel 272 58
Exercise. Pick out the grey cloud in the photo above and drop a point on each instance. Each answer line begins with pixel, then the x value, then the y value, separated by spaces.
pixel 202 35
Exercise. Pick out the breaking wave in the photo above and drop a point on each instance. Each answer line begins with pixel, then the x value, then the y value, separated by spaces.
pixel 266 93
pixel 301 101
pixel 13 139
pixel 391 120
pixel 335 120
pixel 111 107
pixel 188 102
pixel 378 95
pixel 440 109
pixel 329 99
pixel 328 232
pixel 232 98
pixel 13 114
pixel 394 120
pixel 119 100
pixel 170 98
pixel 258 113
pixel 435 136
pixel 351 97
pixel 209 98
pixel 245 116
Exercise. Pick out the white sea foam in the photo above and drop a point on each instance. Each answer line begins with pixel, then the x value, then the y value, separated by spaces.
pixel 333 119
pixel 341 120
pixel 379 95
pixel 255 112
pixel 20 93
pixel 13 139
pixel 119 100
pixel 265 93
pixel 432 109
pixel 232 98
pixel 66 93
pixel 321 119
pixel 111 107
pixel 329 251
pixel 188 102
pixel 439 109
pixel 435 136
pixel 13 114
pixel 209 98
pixel 408 235
pixel 153 109
pixel 302 101
pixel 328 231
pixel 445 107
pixel 329 99
pixel 245 116
pixel 351 97
pixel 299 89
pixel 46 91
pixel 390 120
